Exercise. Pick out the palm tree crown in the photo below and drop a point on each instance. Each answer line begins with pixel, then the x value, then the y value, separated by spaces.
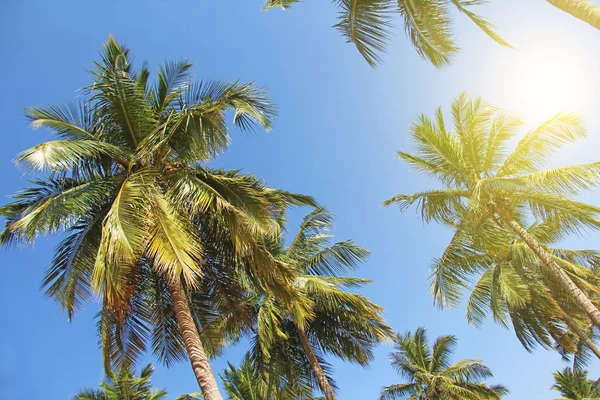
pixel 575 385
pixel 432 377
pixel 483 183
pixel 290 339
pixel 245 382
pixel 124 386
pixel 128 178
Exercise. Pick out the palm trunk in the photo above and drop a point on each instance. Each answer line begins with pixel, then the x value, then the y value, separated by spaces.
pixel 589 343
pixel 555 271
pixel 316 365
pixel 193 344
pixel 584 10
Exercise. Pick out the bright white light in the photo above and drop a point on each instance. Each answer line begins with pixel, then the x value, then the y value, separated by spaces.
pixel 545 83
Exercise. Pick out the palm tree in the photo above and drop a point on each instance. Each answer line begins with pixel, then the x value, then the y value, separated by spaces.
pixel 129 180
pixel 510 283
pixel 430 374
pixel 575 385
pixel 292 338
pixel 428 24
pixel 247 383
pixel 482 183
pixel 124 386
pixel 584 10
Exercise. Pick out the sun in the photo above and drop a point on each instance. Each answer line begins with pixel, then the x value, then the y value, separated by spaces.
pixel 542 84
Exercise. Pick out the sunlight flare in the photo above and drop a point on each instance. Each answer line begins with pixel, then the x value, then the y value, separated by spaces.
pixel 547 82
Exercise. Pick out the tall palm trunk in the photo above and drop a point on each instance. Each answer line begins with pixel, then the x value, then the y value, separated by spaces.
pixel 555 270
pixel 316 365
pixel 193 344
pixel 585 10
pixel 581 334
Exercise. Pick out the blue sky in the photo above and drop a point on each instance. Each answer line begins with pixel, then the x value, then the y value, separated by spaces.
pixel 339 127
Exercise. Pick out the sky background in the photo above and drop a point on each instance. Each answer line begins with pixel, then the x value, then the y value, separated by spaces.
pixel 340 123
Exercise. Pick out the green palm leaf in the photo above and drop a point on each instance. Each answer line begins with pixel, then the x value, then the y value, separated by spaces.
pixel 365 23
pixel 62 155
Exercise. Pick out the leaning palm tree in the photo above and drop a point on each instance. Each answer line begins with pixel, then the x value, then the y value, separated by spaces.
pixel 428 24
pixel 481 182
pixel 511 286
pixel 293 338
pixel 431 376
pixel 124 386
pixel 575 385
pixel 128 179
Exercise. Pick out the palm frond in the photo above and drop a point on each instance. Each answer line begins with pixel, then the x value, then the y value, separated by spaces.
pixel 173 78
pixel 71 122
pixel 55 203
pixel 433 205
pixel 399 391
pixel 68 277
pixel 124 232
pixel 468 370
pixel 90 394
pixel 570 179
pixel 439 152
pixel 119 98
pixel 337 258
pixel 172 243
pixel 442 350
pixel 365 23
pixel 536 148
pixel 452 271
pixel 62 155
pixel 427 24
pixel 250 104
pixel 482 23
pixel 167 343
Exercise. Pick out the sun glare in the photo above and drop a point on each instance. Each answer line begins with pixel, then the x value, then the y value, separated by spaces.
pixel 544 84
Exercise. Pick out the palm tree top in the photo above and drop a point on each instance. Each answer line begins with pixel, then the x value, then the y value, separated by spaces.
pixel 127 134
pixel 124 386
pixel 432 375
pixel 479 176
pixel 245 382
pixel 291 339
pixel 573 384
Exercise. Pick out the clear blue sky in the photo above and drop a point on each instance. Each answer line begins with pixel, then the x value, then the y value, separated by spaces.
pixel 340 124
